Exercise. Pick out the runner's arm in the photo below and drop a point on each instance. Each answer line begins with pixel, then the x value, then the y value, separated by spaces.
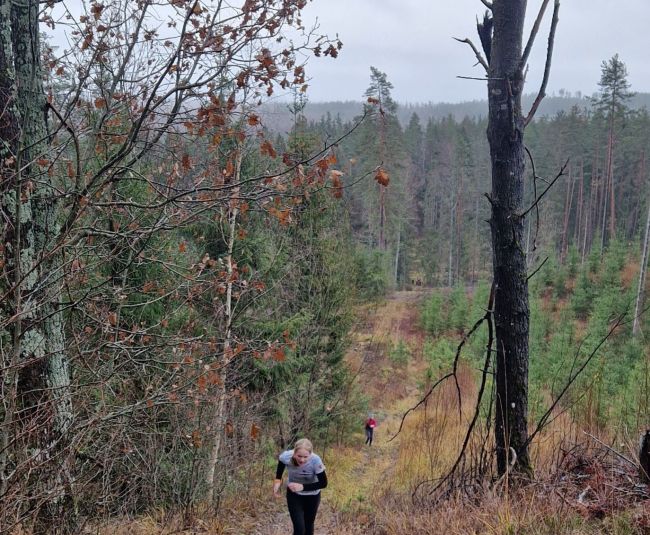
pixel 320 484
pixel 279 470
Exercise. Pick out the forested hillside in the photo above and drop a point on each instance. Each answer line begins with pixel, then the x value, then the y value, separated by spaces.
pixel 436 210
pixel 279 117
pixel 194 276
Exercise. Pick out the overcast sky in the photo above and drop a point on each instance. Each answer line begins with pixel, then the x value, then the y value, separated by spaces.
pixel 411 40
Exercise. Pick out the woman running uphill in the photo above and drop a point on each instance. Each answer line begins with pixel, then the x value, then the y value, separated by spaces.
pixel 306 477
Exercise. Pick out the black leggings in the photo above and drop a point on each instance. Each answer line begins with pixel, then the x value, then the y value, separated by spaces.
pixel 302 510
pixel 369 431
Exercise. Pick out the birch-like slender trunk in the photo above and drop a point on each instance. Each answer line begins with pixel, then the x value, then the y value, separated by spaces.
pixel 578 224
pixel 397 251
pixel 636 327
pixel 219 416
pixel 610 175
pixel 568 205
pixel 450 269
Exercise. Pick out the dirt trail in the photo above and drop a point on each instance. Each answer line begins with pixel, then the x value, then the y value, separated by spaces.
pixel 391 388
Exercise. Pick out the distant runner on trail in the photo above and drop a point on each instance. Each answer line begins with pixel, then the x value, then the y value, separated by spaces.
pixel 370 427
pixel 306 477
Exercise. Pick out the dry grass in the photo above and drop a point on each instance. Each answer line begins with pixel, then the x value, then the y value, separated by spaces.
pixel 630 274
pixel 429 443
pixel 523 513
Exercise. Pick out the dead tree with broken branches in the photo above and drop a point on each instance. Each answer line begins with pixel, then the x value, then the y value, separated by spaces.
pixel 505 63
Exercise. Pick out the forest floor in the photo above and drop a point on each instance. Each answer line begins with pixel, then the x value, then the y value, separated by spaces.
pixel 358 475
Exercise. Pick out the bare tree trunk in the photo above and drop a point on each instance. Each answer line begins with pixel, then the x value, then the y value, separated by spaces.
pixel 40 378
pixel 610 179
pixel 450 267
pixel 511 314
pixel 586 232
pixel 637 185
pixel 642 273
pixel 477 252
pixel 219 415
pixel 605 199
pixel 397 251
pixel 580 208
pixel 382 188
pixel 459 225
pixel 382 217
pixel 591 217
pixel 568 204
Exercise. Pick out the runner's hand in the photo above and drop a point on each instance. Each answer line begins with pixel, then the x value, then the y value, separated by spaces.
pixel 276 488
pixel 295 487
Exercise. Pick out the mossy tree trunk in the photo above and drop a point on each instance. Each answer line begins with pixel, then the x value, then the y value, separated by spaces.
pixel 37 409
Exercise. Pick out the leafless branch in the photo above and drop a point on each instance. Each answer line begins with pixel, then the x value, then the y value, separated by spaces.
pixel 488 317
pixel 541 196
pixel 573 377
pixel 419 403
pixel 537 270
pixel 533 35
pixel 532 164
pixel 608 448
pixel 547 67
pixel 454 371
pixel 486 78
pixel 478 54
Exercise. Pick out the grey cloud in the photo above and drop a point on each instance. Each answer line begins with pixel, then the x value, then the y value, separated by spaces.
pixel 411 40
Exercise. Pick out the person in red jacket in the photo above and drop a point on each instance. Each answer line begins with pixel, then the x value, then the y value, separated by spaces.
pixel 370 427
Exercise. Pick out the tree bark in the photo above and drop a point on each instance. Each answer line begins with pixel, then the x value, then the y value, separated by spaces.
pixel 636 327
pixel 41 382
pixel 450 260
pixel 505 135
pixel 397 251
pixel 610 174
pixel 580 208
pixel 219 416
pixel 568 205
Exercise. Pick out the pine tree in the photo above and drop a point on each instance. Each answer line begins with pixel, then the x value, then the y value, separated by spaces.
pixel 612 104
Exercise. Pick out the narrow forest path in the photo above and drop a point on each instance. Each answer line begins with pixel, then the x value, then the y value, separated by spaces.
pixel 386 360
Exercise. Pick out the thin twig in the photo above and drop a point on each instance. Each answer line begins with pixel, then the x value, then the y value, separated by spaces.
pixel 620 455
pixel 547 67
pixel 532 164
pixel 479 398
pixel 538 268
pixel 485 78
pixel 479 56
pixel 472 78
pixel 572 378
pixel 537 201
pixel 419 403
